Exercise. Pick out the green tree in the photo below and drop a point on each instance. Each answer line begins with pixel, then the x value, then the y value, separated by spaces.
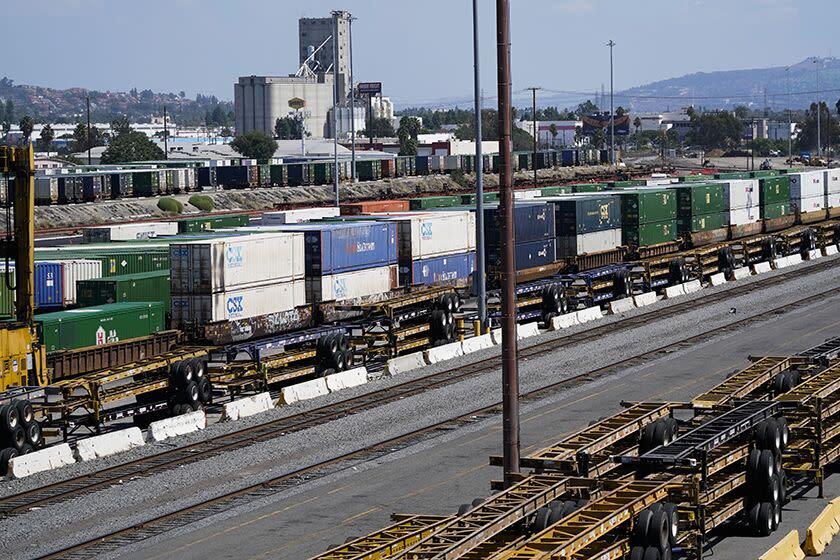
pixel 120 125
pixel 807 137
pixel 586 108
pixel 407 133
pixel 131 146
pixel 47 137
pixel 10 111
pixel 255 145
pixel 837 106
pixel 26 125
pixel 288 128
pixel 552 129
pixel 620 111
pixel 637 122
pixel 742 112
pixel 80 138
pixel 226 132
pixel 382 128
pixel 715 130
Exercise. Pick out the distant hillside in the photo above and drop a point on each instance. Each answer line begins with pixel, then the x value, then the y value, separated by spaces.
pixel 68 105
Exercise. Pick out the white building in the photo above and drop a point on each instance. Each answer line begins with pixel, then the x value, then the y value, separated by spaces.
pixel 565 132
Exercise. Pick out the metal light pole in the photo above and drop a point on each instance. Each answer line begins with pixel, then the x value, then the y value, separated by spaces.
pixel 790 137
pixel 87 103
pixel 611 44
pixel 819 111
pixel 165 136
pixel 536 131
pixel 335 107
pixel 507 277
pixel 352 107
pixel 479 182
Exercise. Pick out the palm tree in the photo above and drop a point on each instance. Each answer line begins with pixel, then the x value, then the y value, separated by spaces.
pixel 26 125
pixel 47 136
pixel 553 130
pixel 637 122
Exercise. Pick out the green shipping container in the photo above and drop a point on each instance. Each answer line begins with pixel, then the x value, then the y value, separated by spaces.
pixel 488 197
pixel 94 326
pixel 554 191
pixel 433 202
pixel 733 175
pixel 762 173
pixel 702 222
pixel 774 190
pixel 116 262
pixel 7 296
pixel 653 233
pixel 146 183
pixel 775 210
pixel 627 183
pixel 698 199
pixel 588 187
pixel 692 178
pixel 369 169
pixel 648 206
pixel 279 175
pixel 210 222
pixel 323 173
pixel 145 286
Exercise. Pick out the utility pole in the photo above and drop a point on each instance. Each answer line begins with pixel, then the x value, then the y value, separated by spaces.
pixel 87 103
pixel 790 118
pixel 352 107
pixel 335 107
pixel 536 130
pixel 479 182
pixel 507 277
pixel 165 136
pixel 819 110
pixel 611 44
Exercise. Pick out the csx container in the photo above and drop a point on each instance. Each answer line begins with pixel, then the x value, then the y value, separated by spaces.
pixel 533 221
pixel 452 270
pixel 220 264
pixel 331 248
pixel 433 234
pixel 586 243
pixel 774 190
pixel 351 285
pixel 211 222
pixel 146 286
pixel 128 232
pixel 236 304
pixel 576 215
pixel 298 215
pixel 95 326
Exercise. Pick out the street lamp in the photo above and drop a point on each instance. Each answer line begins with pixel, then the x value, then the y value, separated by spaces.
pixel 479 182
pixel 611 44
pixel 790 137
pixel 819 111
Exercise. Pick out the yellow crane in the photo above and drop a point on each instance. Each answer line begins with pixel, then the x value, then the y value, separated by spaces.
pixel 23 357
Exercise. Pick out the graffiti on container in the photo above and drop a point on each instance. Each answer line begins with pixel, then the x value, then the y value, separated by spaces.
pixel 340 288
pixel 233 256
pixel 426 230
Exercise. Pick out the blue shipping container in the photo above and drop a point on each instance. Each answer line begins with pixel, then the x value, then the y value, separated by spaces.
pixel 49 290
pixel 529 255
pixel 532 221
pixel 451 269
pixel 331 248
pixel 421 165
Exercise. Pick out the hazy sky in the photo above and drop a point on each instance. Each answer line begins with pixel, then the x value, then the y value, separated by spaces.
pixel 421 50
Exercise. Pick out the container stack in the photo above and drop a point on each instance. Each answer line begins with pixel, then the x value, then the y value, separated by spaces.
pixel 144 286
pixel 236 278
pixel 743 204
pixel 128 232
pixel 807 191
pixel 832 189
pixel 297 216
pixel 586 224
pixel 534 235
pixel 701 207
pixel 648 216
pixel 774 196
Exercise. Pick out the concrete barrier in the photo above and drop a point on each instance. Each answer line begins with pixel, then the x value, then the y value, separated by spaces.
pixel 242 408
pixel 820 533
pixel 445 352
pixel 794 259
pixel 762 267
pixel 589 314
pixel 781 262
pixel 177 425
pixel 95 447
pixel 717 279
pixel 477 343
pixel 814 255
pixel 402 364
pixel 496 336
pixel 830 250
pixel 741 273
pixel 786 549
pixel 527 330
pixel 622 305
pixel 647 298
pixel 346 379
pixel 564 321
pixel 42 460
pixel 674 291
pixel 693 286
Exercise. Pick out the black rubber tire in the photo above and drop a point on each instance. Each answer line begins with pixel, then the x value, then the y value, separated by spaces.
pixel 646 440
pixel 338 361
pixel 455 303
pixel 189 393
pixel 766 465
pixel 199 368
pixel 15 438
pixel 658 533
pixel 331 344
pixel 766 490
pixel 769 251
pixel 660 434
pixel 194 407
pixel 451 331
pixel 777 515
pixel 173 370
pixel 559 510
pixel 673 428
pixel 808 241
pixel 541 518
pixel 752 462
pixel 665 554
pixel 477 502
pixel 677 273
pixel 782 486
pixel 463 508
pixel 837 235
pixel 784 430
pixel 673 522
pixel 6 455
pixel 726 260
pixel 343 342
pixel 637 553
pixel 640 528
pixel 437 325
pixel 781 384
pixel 349 359
pixel 205 390
pixel 26 448
pixel 327 371
pixel 764 524
pixel 622 287
pixel 652 553
pixel 26 413
pixel 34 435
pixel 177 409
pixel 9 418
pixel 186 373
pixel 772 436
pixel 752 516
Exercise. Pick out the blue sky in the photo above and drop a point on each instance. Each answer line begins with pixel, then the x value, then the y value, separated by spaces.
pixel 422 50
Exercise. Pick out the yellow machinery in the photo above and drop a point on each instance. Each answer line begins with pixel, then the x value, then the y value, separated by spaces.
pixel 23 357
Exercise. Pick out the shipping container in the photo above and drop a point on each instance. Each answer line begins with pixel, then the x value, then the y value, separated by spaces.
pixel 369 169
pixel 627 183
pixel 121 184
pixel 532 221
pixel 775 210
pixel 279 175
pixel 92 188
pixel 774 190
pixel 648 233
pixel 809 204
pixel 233 177
pixel 733 175
pixel 763 173
pixel 301 174
pixel 741 193
pixel 74 271
pixel 807 184
pixel 832 200
pixel 95 326
pixel 693 223
pixel 206 177
pixel 146 286
pixel 298 215
pixel 389 167
pixel 49 287
pixel 744 216
pixel 470 199
pixel 372 206
pixel 220 264
pixel 233 305
pixel 114 260
pixel 526 194
pixel 832 181
pixel 454 270
pixel 588 187
pixel 576 215
pixel 145 183
pixel 323 173
pixel 426 202
pixel 527 255
pixel 696 199
pixel 692 178
pixel 452 163
pixel 351 285
pixel 648 206
pixel 433 234
pixel 212 222
pixel 557 190
pixel 422 165
pixel 127 232
pixel 46 190
pixel 523 161
pixel 586 243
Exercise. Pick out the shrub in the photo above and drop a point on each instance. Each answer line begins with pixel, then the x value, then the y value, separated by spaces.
pixel 170 205
pixel 202 202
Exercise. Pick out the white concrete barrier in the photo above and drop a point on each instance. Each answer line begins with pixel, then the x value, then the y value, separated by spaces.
pixel 794 259
pixel 496 335
pixel 814 255
pixel 444 352
pixel 693 286
pixel 177 425
pixel 589 314
pixel 477 343
pixel 402 364
pixel 741 273
pixel 647 298
pixel 717 279
pixel 762 267
pixel 781 262
pixel 622 305
pixel 42 460
pixel 527 330
pixel 95 447
pixel 830 250
pixel 242 408
pixel 564 321
pixel 674 291
pixel 346 379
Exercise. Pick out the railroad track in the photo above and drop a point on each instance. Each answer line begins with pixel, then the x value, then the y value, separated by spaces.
pixel 184 516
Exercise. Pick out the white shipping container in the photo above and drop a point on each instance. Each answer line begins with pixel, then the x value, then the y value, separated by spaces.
pixel 451 163
pixel 46 189
pixel 128 232
pixel 237 304
pixel 298 215
pixel 74 270
pixel 810 204
pixel 832 200
pixel 435 163
pixel 529 194
pixel 832 181
pixel 741 193
pixel 351 285
pixel 220 264
pixel 435 234
pixel 806 184
pixel 585 243
pixel 744 216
